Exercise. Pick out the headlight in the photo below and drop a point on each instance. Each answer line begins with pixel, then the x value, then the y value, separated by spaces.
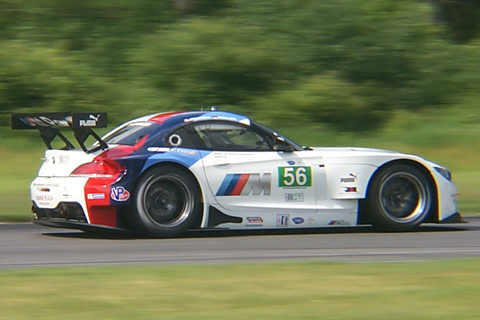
pixel 444 172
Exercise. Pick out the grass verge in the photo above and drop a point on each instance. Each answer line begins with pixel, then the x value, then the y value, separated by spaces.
pixel 426 290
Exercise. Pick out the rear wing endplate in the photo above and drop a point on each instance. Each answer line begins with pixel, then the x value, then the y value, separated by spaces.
pixel 49 124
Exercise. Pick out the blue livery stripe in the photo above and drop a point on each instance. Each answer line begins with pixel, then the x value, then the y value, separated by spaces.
pixel 227 184
pixel 233 184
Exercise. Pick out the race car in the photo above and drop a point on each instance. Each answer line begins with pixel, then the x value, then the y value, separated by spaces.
pixel 163 174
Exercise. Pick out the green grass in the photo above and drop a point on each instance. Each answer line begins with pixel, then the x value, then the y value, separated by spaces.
pixel 17 170
pixel 428 290
pixel 450 137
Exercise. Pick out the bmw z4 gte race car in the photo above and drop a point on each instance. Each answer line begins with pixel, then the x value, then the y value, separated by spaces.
pixel 163 174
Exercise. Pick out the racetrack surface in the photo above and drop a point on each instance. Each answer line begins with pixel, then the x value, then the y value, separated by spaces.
pixel 29 245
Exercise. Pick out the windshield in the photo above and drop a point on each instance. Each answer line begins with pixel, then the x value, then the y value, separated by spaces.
pixel 295 145
pixel 131 134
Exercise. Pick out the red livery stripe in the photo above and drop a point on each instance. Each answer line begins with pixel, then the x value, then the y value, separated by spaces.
pixel 160 118
pixel 240 184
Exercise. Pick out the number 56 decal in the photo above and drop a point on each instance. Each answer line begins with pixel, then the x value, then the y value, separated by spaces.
pixel 294 177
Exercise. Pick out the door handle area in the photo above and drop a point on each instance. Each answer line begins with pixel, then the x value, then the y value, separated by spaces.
pixel 219 164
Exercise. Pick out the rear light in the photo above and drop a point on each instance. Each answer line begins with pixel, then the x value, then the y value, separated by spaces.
pixel 104 169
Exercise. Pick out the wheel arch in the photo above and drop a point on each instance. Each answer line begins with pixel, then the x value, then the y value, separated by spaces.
pixel 432 216
pixel 179 166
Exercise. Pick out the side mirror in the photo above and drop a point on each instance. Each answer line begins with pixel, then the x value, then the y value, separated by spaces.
pixel 282 146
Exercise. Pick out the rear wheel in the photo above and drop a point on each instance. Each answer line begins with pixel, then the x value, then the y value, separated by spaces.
pixel 400 198
pixel 166 203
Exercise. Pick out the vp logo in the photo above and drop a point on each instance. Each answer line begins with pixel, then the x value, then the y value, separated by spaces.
pixel 119 194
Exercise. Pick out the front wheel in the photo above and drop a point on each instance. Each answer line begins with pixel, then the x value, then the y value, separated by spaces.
pixel 166 203
pixel 399 198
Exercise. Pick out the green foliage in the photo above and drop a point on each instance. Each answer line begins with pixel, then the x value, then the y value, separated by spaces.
pixel 320 99
pixel 38 78
pixel 348 64
pixel 209 62
pixel 462 18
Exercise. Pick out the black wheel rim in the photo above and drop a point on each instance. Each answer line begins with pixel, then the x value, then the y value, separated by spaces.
pixel 167 201
pixel 403 197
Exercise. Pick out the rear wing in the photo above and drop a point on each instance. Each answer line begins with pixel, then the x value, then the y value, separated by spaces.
pixel 49 124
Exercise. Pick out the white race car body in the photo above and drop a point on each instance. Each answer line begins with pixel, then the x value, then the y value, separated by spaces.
pixel 311 188
pixel 155 184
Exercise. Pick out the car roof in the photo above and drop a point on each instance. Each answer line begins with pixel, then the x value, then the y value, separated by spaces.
pixel 168 119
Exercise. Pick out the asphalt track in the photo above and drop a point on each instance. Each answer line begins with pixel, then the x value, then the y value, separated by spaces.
pixel 27 245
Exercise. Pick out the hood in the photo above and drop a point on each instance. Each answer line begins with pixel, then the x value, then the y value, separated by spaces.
pixel 353 151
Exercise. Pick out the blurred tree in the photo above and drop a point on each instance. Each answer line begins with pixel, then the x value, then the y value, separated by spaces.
pixel 322 99
pixel 210 62
pixel 199 6
pixel 41 78
pixel 461 16
pixel 341 63
pixel 184 6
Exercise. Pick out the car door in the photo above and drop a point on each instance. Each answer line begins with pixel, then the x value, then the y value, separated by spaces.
pixel 249 179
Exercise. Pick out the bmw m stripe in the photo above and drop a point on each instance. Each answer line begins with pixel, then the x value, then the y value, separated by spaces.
pixel 233 184
pixel 242 184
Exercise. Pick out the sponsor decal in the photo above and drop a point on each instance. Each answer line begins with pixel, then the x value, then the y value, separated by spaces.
pixel 44 121
pixel 254 222
pixel 119 194
pixel 95 196
pixel 90 122
pixel 163 149
pixel 216 117
pixel 351 178
pixel 338 223
pixel 64 159
pixel 226 155
pixel 291 162
pixel 197 119
pixel 298 220
pixel 282 220
pixel 294 197
pixel 54 185
pixel 156 149
pixel 224 118
pixel 44 198
pixel 185 151
pixel 350 189
pixel 244 184
pixel 294 177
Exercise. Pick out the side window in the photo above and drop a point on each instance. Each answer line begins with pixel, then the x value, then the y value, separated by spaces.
pixel 231 137
pixel 178 139
pixel 131 134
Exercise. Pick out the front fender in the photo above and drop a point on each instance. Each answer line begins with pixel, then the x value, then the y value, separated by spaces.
pixel 349 181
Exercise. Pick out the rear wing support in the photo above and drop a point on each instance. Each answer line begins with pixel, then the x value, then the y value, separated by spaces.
pixel 49 124
pixel 49 134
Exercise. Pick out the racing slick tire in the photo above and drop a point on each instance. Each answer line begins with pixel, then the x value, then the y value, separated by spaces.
pixel 400 198
pixel 167 202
